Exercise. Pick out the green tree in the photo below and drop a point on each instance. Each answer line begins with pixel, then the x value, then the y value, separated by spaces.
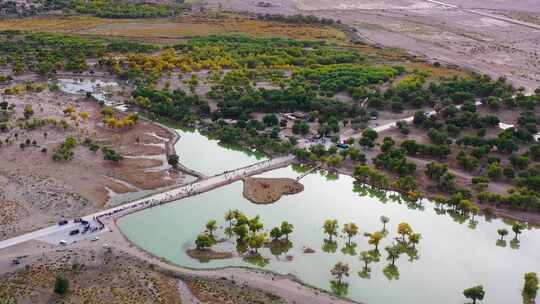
pixel 211 226
pixel 204 241
pixel 241 231
pixel 370 133
pixel 530 288
pixel 6 299
pixel 366 257
pixel 393 253
pixel 270 120
pixel 255 224
pixel 475 293
pixel 275 233
pixel 517 228
pixel 330 227
pixel 350 230
pixel 495 171
pixel 229 217
pixel 286 229
pixel 339 270
pixel 257 240
pixel 61 284
pixel 502 233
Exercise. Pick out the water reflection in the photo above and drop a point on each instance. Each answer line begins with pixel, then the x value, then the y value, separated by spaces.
pixel 256 259
pixel 280 247
pixel 391 272
pixel 444 245
pixel 349 249
pixel 339 289
pixel 329 246
pixel 514 244
pixel 501 243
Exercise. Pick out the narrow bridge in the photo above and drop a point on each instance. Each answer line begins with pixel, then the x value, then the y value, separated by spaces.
pixel 307 172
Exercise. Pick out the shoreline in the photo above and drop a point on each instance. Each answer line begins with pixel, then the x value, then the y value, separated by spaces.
pixel 530 218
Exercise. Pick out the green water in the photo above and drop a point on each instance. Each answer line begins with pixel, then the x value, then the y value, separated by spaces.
pixel 208 156
pixel 452 256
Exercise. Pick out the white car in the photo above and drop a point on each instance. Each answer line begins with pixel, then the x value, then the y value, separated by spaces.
pixel 94 239
pixel 63 243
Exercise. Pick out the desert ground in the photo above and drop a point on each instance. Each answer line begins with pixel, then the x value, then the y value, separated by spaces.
pixel 38 191
pixel 499 38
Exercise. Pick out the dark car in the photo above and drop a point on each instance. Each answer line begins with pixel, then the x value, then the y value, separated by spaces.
pixel 62 222
pixel 77 220
pixel 74 232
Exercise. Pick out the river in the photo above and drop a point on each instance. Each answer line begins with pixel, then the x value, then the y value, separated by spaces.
pixel 210 157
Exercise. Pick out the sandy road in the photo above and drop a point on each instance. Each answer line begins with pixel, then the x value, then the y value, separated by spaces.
pixel 348 134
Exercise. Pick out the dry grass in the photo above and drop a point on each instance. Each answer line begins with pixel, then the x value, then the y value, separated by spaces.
pixel 61 24
pixel 435 72
pixel 170 29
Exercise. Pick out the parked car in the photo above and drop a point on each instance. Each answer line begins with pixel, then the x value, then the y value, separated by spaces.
pixel 63 243
pixel 74 232
pixel 77 220
pixel 62 222
pixel 94 239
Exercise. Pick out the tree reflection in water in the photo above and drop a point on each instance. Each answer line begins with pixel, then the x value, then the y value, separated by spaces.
pixel 391 272
pixel 349 249
pixel 339 289
pixel 329 246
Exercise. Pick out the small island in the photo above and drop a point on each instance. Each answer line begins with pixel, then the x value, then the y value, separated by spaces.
pixel 205 255
pixel 269 190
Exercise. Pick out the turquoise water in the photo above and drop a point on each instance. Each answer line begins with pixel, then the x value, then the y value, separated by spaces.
pixel 208 156
pixel 452 255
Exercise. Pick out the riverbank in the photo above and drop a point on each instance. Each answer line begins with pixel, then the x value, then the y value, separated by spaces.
pixel 513 215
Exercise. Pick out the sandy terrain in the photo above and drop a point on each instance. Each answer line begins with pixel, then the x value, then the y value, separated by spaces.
pixel 479 35
pixel 269 190
pixel 101 275
pixel 36 191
